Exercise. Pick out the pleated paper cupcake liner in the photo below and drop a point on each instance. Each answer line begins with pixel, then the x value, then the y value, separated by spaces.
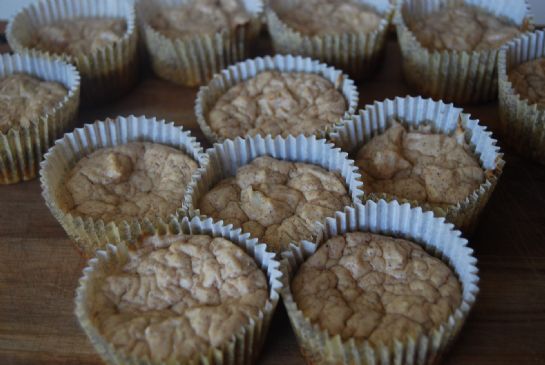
pixel 522 124
pixel 242 348
pixel 107 73
pixel 22 148
pixel 454 76
pixel 401 221
pixel 353 133
pixel 358 54
pixel 88 233
pixel 235 74
pixel 193 60
pixel 227 157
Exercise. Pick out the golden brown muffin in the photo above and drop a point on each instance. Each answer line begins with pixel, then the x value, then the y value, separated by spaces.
pixel 199 17
pixel 371 287
pixel 277 201
pixel 277 103
pixel 24 99
pixel 134 180
pixel 79 35
pixel 420 165
pixel 462 28
pixel 178 296
pixel 528 80
pixel 320 17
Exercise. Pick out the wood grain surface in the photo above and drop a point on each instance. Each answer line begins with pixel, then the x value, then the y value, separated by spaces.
pixel 40 267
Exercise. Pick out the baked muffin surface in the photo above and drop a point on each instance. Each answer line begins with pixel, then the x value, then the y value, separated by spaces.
pixel 371 287
pixel 277 103
pixel 462 28
pixel 528 79
pixel 179 295
pixel 420 165
pixel 320 17
pixel 276 201
pixel 131 181
pixel 24 98
pixel 199 17
pixel 79 35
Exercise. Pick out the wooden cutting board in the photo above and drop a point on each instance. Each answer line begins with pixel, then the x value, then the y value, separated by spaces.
pixel 40 267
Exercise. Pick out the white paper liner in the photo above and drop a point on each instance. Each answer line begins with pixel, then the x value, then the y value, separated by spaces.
pixel 227 157
pixel 242 348
pixel 193 60
pixel 209 95
pixel 522 124
pixel 454 76
pixel 401 221
pixel 88 233
pixel 357 53
pixel 106 73
pixel 353 133
pixel 22 148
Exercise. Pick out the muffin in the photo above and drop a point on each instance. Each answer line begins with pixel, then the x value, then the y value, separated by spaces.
pixel 428 153
pixel 39 98
pixel 521 69
pixel 278 190
pixel 450 49
pixel 348 34
pixel 189 41
pixel 277 96
pixel 201 294
pixel 109 181
pixel 98 36
pixel 381 297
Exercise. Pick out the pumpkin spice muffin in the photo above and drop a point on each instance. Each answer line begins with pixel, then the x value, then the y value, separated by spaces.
pixel 463 28
pixel 178 296
pixel 25 98
pixel 375 288
pixel 199 17
pixel 131 181
pixel 277 103
pixel 419 165
pixel 320 17
pixel 277 201
pixel 528 79
pixel 79 35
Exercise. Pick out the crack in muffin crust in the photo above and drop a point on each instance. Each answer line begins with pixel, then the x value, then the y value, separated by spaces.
pixel 528 80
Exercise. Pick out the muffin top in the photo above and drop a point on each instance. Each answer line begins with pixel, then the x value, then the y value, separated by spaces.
pixel 179 296
pixel 131 181
pixel 277 201
pixel 199 17
pixel 321 17
pixel 420 165
pixel 24 98
pixel 376 288
pixel 277 103
pixel 528 79
pixel 79 35
pixel 462 28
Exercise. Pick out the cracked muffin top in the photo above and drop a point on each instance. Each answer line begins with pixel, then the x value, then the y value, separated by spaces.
pixel 376 288
pixel 24 98
pixel 278 103
pixel 79 35
pixel 528 80
pixel 277 201
pixel 131 181
pixel 178 296
pixel 462 28
pixel 199 17
pixel 420 165
pixel 320 17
